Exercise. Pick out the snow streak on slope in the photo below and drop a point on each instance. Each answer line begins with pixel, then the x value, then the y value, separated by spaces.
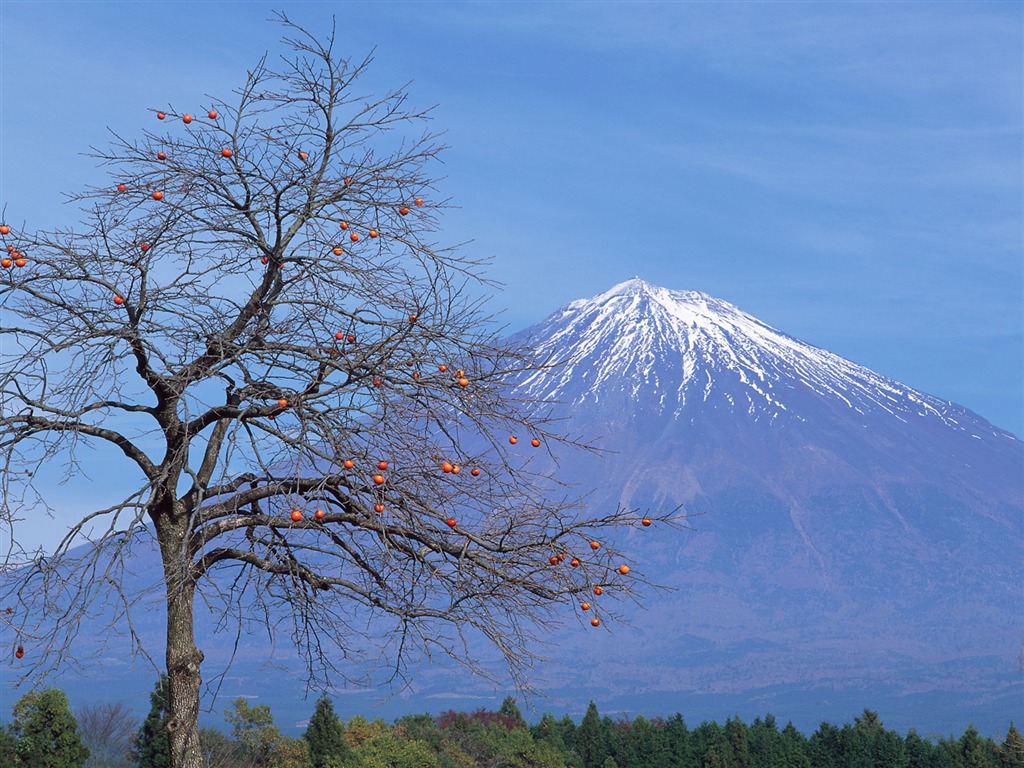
pixel 670 348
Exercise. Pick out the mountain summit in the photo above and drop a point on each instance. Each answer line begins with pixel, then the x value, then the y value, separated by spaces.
pixel 675 351
pixel 853 532
pixel 652 365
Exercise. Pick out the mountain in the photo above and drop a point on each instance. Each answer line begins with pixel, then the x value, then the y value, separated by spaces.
pixel 849 542
pixel 852 535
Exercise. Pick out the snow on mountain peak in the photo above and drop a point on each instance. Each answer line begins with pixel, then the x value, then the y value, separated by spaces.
pixel 664 350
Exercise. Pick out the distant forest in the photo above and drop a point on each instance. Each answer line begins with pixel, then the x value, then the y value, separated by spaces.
pixel 44 732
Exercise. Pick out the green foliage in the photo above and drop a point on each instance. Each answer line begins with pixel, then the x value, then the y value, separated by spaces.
pixel 47 732
pixel 678 745
pixel 510 709
pixel 253 729
pixel 498 739
pixel 710 745
pixel 765 743
pixel 591 739
pixel 1011 751
pixel 359 730
pixel 794 748
pixel 919 752
pixel 325 736
pixel 8 747
pixel 739 748
pixel 569 731
pixel 976 751
pixel 152 748
pixel 389 750
pixel 824 748
pixel 43 734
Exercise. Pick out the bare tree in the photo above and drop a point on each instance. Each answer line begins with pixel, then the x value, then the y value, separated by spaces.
pixel 315 421
pixel 107 731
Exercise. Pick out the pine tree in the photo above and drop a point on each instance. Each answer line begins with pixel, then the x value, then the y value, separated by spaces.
pixel 511 710
pixel 677 734
pixel 824 747
pixel 712 759
pixel 919 751
pixel 47 732
pixel 1011 751
pixel 568 729
pixel 795 747
pixel 591 741
pixel 325 736
pixel 152 749
pixel 766 749
pixel 736 735
pixel 975 749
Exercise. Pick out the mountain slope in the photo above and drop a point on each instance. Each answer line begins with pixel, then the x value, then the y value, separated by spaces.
pixel 853 531
pixel 685 369
pixel 855 543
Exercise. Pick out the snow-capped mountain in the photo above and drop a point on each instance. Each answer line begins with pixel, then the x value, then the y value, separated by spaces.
pixel 666 349
pixel 853 533
pixel 855 543
pixel 640 365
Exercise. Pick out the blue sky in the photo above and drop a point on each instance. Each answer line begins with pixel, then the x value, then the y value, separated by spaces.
pixel 850 173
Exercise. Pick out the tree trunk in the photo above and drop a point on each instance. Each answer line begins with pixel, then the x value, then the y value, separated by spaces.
pixel 183 658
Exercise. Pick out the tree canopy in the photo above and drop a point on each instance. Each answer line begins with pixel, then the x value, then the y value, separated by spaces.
pixel 292 390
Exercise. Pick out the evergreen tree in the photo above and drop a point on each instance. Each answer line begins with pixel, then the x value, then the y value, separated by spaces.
pixel 873 745
pixel 591 739
pixel 950 755
pixel 869 722
pixel 856 746
pixel 919 751
pixel 794 748
pixel 510 709
pixel 766 749
pixel 707 738
pixel 976 751
pixel 739 749
pixel 152 749
pixel 713 759
pixel 325 736
pixel 568 728
pixel 642 744
pixel 677 742
pixel 47 732
pixel 824 748
pixel 890 751
pixel 1011 751
pixel 549 732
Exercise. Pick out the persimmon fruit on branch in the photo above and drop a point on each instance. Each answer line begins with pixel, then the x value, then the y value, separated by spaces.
pixel 281 415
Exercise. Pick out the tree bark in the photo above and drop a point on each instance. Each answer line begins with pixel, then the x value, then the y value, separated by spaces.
pixel 183 657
